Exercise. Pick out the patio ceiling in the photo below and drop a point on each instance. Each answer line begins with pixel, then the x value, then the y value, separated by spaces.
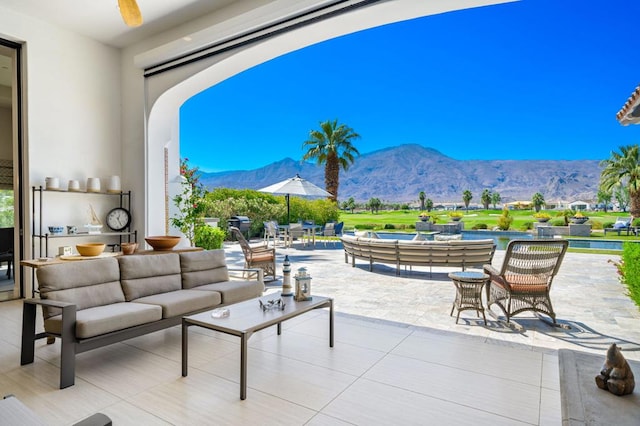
pixel 101 21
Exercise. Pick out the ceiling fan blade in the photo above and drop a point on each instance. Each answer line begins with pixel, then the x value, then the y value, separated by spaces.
pixel 130 12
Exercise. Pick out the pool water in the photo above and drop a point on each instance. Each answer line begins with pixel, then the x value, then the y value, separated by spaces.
pixel 502 238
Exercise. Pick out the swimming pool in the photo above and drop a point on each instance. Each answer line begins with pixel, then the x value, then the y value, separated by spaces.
pixel 502 238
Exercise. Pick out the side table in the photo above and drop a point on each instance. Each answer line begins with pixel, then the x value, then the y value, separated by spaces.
pixel 468 292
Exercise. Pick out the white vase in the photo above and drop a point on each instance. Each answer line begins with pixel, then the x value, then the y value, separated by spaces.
pixel 93 184
pixel 113 184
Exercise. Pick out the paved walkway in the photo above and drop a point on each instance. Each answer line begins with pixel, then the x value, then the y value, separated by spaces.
pixel 590 303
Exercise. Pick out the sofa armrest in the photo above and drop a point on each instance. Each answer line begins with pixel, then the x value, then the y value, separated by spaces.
pixel 251 273
pixel 48 302
pixel 29 335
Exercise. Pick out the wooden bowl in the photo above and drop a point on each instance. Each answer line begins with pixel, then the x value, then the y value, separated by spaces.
pixel 128 248
pixel 164 242
pixel 90 249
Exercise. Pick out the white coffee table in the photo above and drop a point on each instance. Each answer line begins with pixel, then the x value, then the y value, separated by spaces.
pixel 246 318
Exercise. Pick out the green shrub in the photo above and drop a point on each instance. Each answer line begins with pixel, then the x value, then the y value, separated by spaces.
pixel 208 237
pixel 629 270
pixel 526 226
pixel 389 226
pixel 260 207
pixel 366 226
pixel 596 224
pixel 505 220
pixel 479 226
pixel 636 222
pixel 607 225
pixel 557 222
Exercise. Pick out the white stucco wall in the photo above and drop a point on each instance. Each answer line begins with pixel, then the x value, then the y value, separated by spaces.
pixel 73 122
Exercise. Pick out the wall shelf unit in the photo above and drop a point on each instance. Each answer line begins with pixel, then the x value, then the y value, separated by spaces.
pixel 40 239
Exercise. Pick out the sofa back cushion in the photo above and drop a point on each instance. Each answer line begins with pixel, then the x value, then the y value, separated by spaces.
pixel 145 275
pixel 203 267
pixel 87 284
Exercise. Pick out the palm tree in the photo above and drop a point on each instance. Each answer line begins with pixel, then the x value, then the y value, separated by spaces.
pixel 428 204
pixel 422 196
pixel 485 198
pixel 466 198
pixel 331 146
pixel 495 199
pixel 538 201
pixel 604 197
pixel 623 168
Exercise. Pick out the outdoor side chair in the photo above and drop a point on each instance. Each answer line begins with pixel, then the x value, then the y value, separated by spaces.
pixel 271 232
pixel 329 230
pixel 257 256
pixel 524 280
pixel 296 231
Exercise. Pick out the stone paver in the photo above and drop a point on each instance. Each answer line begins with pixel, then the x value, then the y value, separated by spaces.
pixel 590 303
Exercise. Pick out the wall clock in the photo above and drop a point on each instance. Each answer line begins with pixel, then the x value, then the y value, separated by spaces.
pixel 118 219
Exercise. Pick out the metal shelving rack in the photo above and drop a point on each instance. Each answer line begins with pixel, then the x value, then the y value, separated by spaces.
pixel 41 239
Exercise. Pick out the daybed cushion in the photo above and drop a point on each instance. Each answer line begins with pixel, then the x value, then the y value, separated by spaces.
pixel 620 224
pixel 86 284
pixel 104 319
pixel 203 267
pixel 180 302
pixel 146 275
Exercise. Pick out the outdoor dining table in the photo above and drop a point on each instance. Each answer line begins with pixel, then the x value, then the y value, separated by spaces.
pixel 309 230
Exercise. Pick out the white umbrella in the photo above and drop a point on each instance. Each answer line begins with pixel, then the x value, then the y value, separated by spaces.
pixel 296 186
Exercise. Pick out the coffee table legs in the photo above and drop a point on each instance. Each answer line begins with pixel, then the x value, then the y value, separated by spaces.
pixel 185 342
pixel 243 365
pixel 331 323
pixel 244 346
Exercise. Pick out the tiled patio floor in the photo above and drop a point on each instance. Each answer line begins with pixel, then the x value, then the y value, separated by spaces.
pixel 399 357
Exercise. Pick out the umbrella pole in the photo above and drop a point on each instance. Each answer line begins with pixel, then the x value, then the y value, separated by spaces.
pixel 288 211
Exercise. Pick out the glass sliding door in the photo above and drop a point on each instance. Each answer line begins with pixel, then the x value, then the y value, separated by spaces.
pixel 10 145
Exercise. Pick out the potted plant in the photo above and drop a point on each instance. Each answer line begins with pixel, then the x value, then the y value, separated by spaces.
pixel 455 215
pixel 542 217
pixel 579 218
pixel 424 216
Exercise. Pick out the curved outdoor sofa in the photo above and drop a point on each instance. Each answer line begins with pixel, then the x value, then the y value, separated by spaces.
pixel 462 253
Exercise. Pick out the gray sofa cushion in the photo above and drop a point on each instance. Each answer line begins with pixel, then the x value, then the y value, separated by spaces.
pixel 180 302
pixel 145 275
pixel 203 267
pixel 104 319
pixel 86 284
pixel 235 291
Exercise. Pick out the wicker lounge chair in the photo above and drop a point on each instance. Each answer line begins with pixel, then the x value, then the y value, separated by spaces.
pixel 257 256
pixel 524 281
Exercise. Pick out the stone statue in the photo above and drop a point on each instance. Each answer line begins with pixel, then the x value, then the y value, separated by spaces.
pixel 616 375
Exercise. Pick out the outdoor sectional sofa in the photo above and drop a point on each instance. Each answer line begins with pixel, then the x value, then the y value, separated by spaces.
pixel 462 253
pixel 94 303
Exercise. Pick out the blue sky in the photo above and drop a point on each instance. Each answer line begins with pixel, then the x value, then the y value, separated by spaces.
pixel 535 79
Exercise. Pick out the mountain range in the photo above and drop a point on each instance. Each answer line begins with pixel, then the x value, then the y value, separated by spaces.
pixel 399 173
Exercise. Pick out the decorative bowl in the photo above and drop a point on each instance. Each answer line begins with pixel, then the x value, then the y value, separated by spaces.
pixel 164 242
pixel 128 248
pixel 90 249
pixel 56 229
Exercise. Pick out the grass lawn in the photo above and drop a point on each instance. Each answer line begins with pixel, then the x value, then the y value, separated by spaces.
pixel 406 219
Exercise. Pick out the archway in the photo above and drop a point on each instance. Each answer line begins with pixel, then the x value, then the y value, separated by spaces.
pixel 167 92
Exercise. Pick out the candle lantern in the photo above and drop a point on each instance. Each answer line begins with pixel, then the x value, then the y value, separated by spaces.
pixel 303 285
pixel 287 290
